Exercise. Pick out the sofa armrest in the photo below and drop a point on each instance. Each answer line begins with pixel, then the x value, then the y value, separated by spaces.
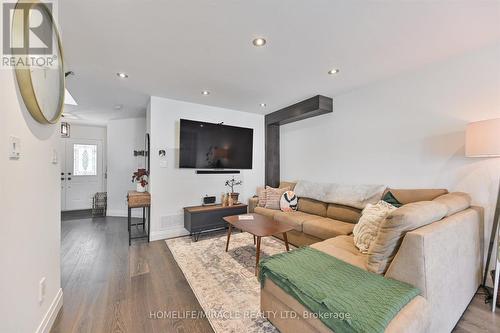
pixel 444 260
pixel 252 203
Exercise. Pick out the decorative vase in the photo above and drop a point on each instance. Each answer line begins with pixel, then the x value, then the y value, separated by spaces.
pixel 235 196
pixel 140 188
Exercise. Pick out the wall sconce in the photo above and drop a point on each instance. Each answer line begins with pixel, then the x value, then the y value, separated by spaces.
pixel 65 130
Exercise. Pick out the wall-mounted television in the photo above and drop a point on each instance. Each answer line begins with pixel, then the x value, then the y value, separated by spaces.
pixel 214 146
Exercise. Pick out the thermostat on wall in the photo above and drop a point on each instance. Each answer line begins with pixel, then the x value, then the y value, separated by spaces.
pixel 162 155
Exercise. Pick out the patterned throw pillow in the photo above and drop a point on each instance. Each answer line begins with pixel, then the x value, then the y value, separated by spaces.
pixel 273 197
pixel 289 201
pixel 261 193
pixel 366 229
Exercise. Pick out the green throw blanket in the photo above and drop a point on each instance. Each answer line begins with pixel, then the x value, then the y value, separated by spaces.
pixel 344 297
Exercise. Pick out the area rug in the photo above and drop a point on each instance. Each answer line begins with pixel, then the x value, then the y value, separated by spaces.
pixel 224 282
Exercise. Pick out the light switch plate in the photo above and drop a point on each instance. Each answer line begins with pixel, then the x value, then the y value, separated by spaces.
pixel 55 158
pixel 41 290
pixel 14 148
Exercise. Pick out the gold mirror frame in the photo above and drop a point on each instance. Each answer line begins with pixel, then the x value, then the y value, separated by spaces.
pixel 23 74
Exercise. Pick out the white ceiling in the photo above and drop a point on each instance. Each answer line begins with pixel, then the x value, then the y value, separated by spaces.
pixel 177 48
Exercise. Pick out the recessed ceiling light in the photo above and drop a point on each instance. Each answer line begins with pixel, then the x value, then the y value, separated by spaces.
pixel 259 41
pixel 122 75
pixel 263 105
pixel 333 71
pixel 205 92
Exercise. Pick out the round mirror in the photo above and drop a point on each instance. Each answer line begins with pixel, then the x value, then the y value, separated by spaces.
pixel 39 64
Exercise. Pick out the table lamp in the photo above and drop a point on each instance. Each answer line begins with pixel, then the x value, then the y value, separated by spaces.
pixel 482 139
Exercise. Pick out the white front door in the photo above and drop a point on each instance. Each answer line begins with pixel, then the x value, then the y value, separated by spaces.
pixel 82 170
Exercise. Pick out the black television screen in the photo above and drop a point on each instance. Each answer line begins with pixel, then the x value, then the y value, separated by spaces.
pixel 215 146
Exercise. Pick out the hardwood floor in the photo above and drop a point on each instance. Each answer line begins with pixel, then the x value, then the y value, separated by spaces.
pixel 109 287
pixel 478 317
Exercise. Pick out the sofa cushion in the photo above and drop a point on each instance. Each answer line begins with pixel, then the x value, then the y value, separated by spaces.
pixel 455 202
pixel 324 227
pixel 290 185
pixel 266 211
pixel 343 248
pixel 409 196
pixel 294 219
pixel 343 213
pixel 393 229
pixel 312 206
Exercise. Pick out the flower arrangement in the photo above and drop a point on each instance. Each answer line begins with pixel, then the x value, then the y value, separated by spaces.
pixel 140 177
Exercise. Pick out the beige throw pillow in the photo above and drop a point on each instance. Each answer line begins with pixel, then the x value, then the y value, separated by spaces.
pixel 261 193
pixel 366 229
pixel 273 197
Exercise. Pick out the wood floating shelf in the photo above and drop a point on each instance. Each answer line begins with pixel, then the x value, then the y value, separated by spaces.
pixel 311 107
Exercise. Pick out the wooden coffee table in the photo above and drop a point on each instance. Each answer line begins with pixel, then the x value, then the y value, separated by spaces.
pixel 260 226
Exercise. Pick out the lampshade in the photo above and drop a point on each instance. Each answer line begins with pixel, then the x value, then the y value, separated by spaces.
pixel 482 138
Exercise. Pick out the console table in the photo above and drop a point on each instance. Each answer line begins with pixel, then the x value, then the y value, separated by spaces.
pixel 198 219
pixel 139 200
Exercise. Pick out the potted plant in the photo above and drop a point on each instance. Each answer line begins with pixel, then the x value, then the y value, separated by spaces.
pixel 231 183
pixel 140 177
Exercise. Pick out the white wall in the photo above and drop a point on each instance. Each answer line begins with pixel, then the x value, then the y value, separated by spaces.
pixel 406 132
pixel 30 219
pixel 81 131
pixel 123 137
pixel 173 188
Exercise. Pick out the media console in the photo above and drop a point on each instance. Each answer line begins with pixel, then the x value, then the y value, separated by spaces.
pixel 198 219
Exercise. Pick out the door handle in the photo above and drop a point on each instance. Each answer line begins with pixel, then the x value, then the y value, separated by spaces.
pixel 69 178
pixel 62 178
pixel 62 173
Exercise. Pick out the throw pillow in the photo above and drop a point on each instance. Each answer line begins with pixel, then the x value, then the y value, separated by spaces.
pixel 366 229
pixel 391 199
pixel 261 193
pixel 288 201
pixel 273 197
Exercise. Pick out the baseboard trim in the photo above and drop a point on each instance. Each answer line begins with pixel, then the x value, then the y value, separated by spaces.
pixel 123 213
pixel 169 233
pixel 51 315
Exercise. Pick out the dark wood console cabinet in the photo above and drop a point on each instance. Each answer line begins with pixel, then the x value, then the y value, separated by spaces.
pixel 198 219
